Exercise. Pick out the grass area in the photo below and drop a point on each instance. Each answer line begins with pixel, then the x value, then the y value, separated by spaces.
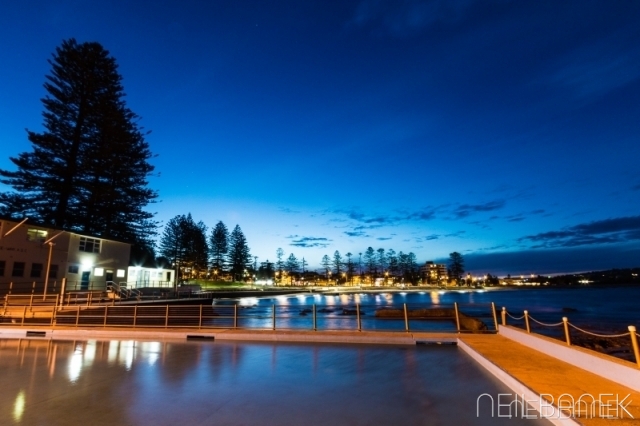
pixel 220 285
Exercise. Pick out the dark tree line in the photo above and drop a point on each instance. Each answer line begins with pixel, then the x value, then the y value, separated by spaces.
pixel 185 245
pixel 89 167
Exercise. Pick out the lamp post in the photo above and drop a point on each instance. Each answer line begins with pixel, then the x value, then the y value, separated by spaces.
pixel 46 277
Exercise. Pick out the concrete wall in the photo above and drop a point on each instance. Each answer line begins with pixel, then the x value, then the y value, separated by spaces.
pixel 19 247
pixel 622 372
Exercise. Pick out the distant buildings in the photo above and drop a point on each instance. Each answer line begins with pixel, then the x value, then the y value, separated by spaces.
pixel 434 273
pixel 33 253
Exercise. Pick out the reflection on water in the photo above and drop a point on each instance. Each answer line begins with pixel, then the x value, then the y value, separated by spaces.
pixel 599 308
pixel 167 383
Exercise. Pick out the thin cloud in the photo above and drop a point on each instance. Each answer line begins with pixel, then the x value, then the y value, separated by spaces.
pixel 466 210
pixel 306 242
pixel 607 231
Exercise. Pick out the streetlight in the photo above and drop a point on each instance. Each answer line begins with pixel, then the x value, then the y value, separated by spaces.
pixel 46 277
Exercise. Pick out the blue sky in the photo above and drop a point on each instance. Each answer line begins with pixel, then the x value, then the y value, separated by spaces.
pixel 505 130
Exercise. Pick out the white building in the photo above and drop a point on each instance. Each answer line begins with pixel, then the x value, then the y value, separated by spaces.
pixel 140 276
pixel 28 251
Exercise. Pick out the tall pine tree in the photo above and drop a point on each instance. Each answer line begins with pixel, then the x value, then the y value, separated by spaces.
pixel 89 167
pixel 219 246
pixel 239 257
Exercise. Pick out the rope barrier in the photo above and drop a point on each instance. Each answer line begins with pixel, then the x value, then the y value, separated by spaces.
pixel 542 323
pixel 599 335
pixel 517 319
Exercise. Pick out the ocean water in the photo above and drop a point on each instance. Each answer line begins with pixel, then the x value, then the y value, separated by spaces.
pixel 609 309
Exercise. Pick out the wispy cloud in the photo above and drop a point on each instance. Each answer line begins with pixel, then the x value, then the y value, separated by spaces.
pixel 306 242
pixel 403 18
pixel 616 230
pixel 466 210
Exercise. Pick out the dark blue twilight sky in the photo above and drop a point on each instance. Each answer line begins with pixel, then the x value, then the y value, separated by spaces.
pixel 505 130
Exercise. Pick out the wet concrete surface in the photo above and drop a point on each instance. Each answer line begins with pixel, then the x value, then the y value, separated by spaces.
pixel 120 382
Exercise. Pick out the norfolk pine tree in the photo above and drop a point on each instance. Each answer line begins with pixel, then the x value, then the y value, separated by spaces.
pixel 89 167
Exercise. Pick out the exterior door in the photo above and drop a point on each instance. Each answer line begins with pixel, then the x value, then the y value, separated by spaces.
pixel 84 284
pixel 109 276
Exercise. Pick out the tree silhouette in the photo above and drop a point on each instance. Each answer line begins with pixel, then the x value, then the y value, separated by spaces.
pixel 239 257
pixel 456 266
pixel 89 167
pixel 219 246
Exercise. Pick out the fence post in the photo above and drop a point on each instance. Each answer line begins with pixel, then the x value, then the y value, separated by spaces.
pixel 504 316
pixel 634 343
pixel 166 317
pixel 526 321
pixel 565 320
pixel 273 316
pixel 455 306
pixel 135 314
pixel 495 316
pixel 63 286
pixel 358 317
pixel 315 327
pixel 235 316
pixel 406 317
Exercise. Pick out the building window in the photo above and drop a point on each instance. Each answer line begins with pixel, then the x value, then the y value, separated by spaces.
pixel 2 264
pixel 53 271
pixel 37 235
pixel 18 269
pixel 90 245
pixel 36 270
pixel 73 269
pixel 120 273
pixel 98 272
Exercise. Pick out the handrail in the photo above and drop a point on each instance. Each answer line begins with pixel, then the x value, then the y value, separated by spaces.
pixel 568 325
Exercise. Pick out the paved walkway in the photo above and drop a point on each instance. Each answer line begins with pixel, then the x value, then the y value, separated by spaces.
pixel 547 375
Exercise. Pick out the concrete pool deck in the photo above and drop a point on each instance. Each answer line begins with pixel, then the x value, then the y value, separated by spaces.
pixel 523 369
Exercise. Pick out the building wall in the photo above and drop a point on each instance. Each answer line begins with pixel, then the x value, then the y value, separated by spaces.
pixel 25 245
pixel 110 264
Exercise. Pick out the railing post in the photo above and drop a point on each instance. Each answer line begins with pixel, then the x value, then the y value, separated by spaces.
pixel 24 314
pixel 78 315
pixel 315 328
pixel 235 316
pixel 495 316
pixel 455 307
pixel 135 314
pixel 526 321
pixel 634 343
pixel 10 286
pixel 406 317
pixel 33 287
pixel 358 317
pixel 166 317
pixel 565 320
pixel 31 302
pixel 200 322
pixel 106 315
pixel 273 316
pixel 504 316
pixel 63 286
pixel 89 298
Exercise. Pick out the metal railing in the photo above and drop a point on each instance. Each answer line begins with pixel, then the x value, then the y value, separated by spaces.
pixel 567 326
pixel 453 319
